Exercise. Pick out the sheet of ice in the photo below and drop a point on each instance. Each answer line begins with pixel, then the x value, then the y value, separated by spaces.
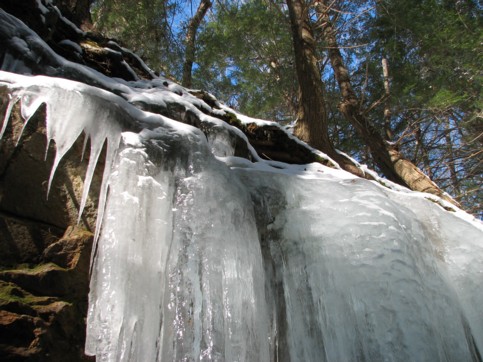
pixel 360 278
pixel 180 288
pixel 270 263
pixel 217 258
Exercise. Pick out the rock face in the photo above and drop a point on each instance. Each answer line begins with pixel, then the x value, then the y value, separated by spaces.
pixel 45 252
pixel 42 307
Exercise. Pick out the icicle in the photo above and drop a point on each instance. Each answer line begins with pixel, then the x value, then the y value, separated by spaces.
pixel 12 101
pixel 29 105
pixel 84 146
pixel 112 146
pixel 71 109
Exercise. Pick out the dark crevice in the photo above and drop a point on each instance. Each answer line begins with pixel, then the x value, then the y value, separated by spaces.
pixel 7 214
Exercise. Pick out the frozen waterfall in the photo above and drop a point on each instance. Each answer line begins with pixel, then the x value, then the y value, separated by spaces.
pixel 212 260
pixel 204 257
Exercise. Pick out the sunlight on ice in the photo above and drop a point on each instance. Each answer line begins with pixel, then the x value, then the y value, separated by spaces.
pixel 220 259
pixel 260 265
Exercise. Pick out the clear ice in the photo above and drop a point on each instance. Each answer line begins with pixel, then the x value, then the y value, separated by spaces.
pixel 205 256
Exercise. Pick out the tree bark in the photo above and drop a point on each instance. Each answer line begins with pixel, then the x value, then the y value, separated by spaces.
pixel 451 159
pixel 312 124
pixel 190 42
pixel 420 145
pixel 387 94
pixel 386 156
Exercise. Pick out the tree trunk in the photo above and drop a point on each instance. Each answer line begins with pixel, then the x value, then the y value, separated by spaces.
pixel 390 161
pixel 451 160
pixel 420 145
pixel 190 42
pixel 387 94
pixel 312 125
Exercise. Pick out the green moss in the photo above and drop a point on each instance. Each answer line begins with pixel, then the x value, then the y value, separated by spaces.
pixel 32 269
pixel 10 292
pixel 93 47
pixel 43 267
pixel 15 266
pixel 232 119
pixel 323 161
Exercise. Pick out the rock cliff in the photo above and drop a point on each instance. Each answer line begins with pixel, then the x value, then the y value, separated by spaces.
pixel 44 262
pixel 45 251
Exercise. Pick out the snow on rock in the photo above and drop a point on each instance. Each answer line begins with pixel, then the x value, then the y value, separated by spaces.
pixel 205 256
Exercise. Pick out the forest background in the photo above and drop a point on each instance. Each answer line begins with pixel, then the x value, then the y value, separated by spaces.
pixel 409 71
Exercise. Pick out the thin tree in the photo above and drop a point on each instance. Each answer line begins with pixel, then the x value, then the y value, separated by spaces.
pixel 190 41
pixel 385 154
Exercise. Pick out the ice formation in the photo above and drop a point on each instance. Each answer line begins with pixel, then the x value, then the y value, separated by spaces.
pixel 206 256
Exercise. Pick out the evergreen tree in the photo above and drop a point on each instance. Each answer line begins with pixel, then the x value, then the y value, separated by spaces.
pixel 245 58
pixel 389 159
pixel 435 54
pixel 425 97
pixel 161 31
